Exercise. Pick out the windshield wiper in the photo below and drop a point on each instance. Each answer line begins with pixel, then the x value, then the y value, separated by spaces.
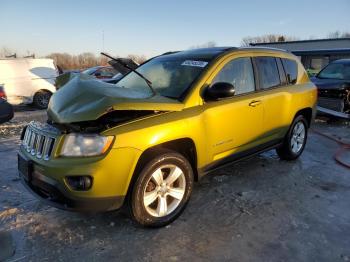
pixel 148 82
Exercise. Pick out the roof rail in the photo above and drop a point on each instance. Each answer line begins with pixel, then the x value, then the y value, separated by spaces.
pixel 170 52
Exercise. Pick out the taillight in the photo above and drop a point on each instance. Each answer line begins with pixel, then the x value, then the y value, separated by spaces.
pixel 2 93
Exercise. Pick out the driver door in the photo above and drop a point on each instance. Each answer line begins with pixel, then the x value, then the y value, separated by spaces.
pixel 234 124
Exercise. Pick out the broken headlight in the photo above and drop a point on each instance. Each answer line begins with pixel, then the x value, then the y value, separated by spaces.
pixel 85 145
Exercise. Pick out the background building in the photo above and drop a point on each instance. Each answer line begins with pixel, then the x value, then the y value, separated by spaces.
pixel 315 54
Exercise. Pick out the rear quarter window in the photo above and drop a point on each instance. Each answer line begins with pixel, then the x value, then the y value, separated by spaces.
pixel 291 69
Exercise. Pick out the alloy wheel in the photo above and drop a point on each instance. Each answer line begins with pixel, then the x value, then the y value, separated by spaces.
pixel 298 137
pixel 164 190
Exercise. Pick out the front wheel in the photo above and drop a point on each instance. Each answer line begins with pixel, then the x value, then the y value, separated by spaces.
pixel 295 140
pixel 162 190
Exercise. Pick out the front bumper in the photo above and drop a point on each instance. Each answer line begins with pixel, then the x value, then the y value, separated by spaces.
pixel 326 111
pixel 111 178
pixel 48 191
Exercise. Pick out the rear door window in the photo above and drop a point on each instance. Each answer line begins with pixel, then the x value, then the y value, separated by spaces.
pixel 291 69
pixel 268 72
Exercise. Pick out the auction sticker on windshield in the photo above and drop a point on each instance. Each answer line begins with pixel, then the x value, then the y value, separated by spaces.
pixel 194 63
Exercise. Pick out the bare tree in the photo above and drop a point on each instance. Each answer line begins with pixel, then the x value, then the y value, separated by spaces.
pixel 4 52
pixel 138 58
pixel 335 34
pixel 85 60
pixel 246 41
pixel 338 34
pixel 102 60
pixel 64 60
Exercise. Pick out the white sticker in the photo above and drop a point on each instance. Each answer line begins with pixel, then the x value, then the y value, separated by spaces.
pixel 194 63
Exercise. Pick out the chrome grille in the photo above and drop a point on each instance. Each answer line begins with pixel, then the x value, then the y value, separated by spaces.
pixel 39 140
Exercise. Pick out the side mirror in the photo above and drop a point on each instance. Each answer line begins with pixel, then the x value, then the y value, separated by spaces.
pixel 219 91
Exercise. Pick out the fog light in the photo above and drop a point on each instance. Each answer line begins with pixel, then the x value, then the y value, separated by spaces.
pixel 80 183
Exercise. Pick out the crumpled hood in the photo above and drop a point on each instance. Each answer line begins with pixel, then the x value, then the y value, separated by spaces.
pixel 84 98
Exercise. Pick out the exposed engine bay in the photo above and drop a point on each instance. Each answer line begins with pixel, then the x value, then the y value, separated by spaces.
pixel 105 122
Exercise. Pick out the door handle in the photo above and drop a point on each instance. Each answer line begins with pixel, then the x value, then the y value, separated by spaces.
pixel 255 103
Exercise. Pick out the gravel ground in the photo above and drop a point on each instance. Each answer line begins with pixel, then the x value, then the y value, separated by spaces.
pixel 261 209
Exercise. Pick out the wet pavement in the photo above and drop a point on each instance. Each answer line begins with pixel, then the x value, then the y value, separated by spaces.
pixel 261 209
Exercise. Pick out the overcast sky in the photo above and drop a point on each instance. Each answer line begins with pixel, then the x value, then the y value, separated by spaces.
pixel 154 27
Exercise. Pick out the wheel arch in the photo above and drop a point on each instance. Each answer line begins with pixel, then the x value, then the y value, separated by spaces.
pixel 307 113
pixel 184 146
pixel 43 89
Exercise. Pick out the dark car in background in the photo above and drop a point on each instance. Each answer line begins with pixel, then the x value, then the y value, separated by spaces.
pixel 333 84
pixel 6 110
pixel 101 72
pixel 123 67
pixel 115 79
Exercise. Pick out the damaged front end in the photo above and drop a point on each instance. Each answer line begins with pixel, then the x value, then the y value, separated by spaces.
pixel 335 102
pixel 86 105
pixel 108 120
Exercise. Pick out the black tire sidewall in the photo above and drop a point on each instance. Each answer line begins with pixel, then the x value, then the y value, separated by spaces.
pixel 38 95
pixel 138 209
pixel 290 133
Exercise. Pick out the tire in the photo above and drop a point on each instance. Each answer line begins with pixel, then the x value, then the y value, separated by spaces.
pixel 41 99
pixel 295 140
pixel 166 175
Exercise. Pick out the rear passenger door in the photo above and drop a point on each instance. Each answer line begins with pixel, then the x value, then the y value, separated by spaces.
pixel 272 83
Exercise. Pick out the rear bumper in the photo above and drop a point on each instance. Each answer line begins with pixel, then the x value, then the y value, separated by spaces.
pixel 18 100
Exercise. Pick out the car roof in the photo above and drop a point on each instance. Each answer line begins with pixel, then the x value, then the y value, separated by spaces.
pixel 213 52
pixel 199 53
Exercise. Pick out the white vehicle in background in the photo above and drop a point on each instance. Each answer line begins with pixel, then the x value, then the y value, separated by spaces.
pixel 28 80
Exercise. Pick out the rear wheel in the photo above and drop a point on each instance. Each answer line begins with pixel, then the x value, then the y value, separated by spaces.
pixel 162 190
pixel 295 140
pixel 41 99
